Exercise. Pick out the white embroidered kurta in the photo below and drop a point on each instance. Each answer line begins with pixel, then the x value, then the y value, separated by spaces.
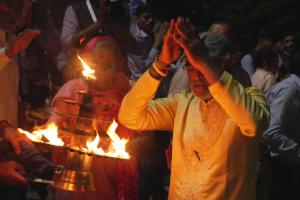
pixel 9 85
pixel 215 145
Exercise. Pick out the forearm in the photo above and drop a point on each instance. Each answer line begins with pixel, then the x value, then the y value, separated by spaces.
pixel 135 102
pixel 139 112
pixel 248 108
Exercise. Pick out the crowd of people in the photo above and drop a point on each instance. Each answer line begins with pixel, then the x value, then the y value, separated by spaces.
pixel 204 120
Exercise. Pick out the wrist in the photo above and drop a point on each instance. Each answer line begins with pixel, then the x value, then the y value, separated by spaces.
pixel 161 64
pixel 153 73
pixel 159 70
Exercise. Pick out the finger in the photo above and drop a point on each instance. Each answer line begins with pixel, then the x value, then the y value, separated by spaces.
pixel 29 37
pixel 171 27
pixel 180 41
pixel 28 33
pixel 170 32
pixel 33 34
pixel 16 146
pixel 19 168
pixel 26 139
pixel 21 137
pixel 17 178
pixel 180 27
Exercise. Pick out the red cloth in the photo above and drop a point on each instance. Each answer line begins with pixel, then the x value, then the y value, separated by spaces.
pixel 126 179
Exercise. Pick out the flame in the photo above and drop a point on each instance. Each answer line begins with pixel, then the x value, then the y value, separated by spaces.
pixel 50 133
pixel 87 72
pixel 119 145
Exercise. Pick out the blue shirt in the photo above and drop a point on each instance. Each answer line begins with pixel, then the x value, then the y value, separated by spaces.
pixel 283 134
pixel 143 55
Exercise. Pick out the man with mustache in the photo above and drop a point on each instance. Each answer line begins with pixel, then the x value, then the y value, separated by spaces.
pixel 216 128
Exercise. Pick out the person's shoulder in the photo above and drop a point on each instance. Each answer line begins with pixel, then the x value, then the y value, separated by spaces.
pixel 247 57
pixel 287 88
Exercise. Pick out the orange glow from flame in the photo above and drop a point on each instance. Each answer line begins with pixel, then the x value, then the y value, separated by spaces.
pixel 50 133
pixel 119 145
pixel 87 72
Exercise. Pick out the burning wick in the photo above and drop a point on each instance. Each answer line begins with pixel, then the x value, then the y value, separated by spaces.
pixel 50 133
pixel 87 72
pixel 119 145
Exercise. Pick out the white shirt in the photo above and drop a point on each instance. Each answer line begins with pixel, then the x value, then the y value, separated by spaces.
pixel 263 79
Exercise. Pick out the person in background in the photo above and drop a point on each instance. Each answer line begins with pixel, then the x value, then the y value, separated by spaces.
pixel 222 28
pixel 210 138
pixel 282 136
pixel 38 73
pixel 147 44
pixel 132 6
pixel 81 23
pixel 12 44
pixel 84 20
pixel 113 180
pixel 264 42
pixel 20 162
pixel 13 15
pixel 285 47
pixel 266 64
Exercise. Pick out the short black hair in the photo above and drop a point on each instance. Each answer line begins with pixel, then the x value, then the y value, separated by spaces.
pixel 262 56
pixel 285 34
pixel 264 35
pixel 143 8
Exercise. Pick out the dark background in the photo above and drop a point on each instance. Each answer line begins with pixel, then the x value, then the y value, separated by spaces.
pixel 247 17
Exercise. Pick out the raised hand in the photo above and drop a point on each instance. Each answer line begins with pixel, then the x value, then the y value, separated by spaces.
pixel 170 49
pixel 195 50
pixel 159 35
pixel 187 37
pixel 20 42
